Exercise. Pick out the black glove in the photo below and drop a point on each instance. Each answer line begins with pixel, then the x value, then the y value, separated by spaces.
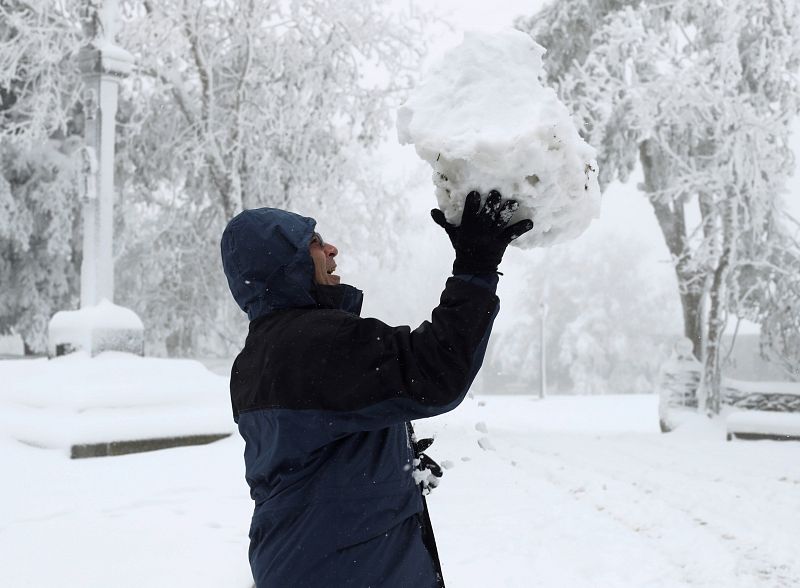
pixel 481 239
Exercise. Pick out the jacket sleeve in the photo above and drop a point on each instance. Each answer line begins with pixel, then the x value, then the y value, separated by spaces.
pixel 377 375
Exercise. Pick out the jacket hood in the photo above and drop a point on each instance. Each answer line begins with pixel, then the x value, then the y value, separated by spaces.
pixel 268 266
pixel 266 260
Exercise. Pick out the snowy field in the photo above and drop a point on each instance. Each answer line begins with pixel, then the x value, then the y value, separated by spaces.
pixel 569 491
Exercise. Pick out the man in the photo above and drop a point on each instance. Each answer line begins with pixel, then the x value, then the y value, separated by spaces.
pixel 322 398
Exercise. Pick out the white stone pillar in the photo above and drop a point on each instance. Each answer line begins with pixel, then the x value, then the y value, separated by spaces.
pixel 99 325
pixel 102 65
pixel 89 212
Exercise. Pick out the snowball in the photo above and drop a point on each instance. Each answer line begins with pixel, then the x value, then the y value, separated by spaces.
pixel 482 119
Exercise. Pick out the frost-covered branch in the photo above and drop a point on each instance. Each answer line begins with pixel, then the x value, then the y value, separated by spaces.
pixel 698 93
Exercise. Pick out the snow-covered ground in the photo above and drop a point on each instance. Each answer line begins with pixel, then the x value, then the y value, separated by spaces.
pixel 568 491
pixel 73 399
pixel 584 491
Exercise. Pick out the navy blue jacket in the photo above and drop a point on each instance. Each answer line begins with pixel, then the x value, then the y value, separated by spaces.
pixel 322 397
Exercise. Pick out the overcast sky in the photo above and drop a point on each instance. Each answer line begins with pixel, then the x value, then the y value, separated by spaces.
pixel 467 15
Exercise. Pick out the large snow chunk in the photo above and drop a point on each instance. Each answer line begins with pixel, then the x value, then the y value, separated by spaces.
pixel 483 120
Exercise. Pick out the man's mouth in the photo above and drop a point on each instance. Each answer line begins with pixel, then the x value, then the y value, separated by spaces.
pixel 333 279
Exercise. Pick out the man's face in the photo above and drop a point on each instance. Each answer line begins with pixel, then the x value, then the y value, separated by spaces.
pixel 322 255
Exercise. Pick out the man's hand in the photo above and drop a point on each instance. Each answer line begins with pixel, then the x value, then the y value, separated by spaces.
pixel 427 472
pixel 481 239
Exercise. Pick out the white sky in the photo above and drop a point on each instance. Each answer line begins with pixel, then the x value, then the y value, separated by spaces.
pixel 469 15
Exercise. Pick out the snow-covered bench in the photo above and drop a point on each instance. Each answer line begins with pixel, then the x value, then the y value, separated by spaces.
pixel 762 396
pixel 763 424
pixel 756 410
pixel 765 410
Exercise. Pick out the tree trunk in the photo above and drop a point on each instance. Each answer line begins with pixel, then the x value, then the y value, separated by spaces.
pixel 710 393
pixel 711 385
pixel 692 304
pixel 671 220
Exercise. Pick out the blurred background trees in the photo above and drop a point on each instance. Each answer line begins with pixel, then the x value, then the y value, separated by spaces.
pixel 701 96
pixel 610 321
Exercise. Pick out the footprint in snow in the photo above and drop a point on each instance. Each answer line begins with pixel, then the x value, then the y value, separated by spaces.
pixel 485 444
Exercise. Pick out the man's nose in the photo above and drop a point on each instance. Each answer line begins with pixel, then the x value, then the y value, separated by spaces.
pixel 331 250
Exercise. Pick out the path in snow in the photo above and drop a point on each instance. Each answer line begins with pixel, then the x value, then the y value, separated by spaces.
pixel 601 498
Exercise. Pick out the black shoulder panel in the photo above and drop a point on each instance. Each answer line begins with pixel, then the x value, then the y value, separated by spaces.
pixel 332 360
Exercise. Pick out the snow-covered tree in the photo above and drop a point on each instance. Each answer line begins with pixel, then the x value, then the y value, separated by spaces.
pixel 700 94
pixel 231 105
pixel 771 297
pixel 39 40
pixel 250 102
pixel 239 105
pixel 39 206
pixel 780 331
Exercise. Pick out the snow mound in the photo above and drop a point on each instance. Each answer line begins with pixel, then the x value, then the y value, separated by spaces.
pixel 482 119
pixel 105 314
pixel 75 399
pixel 103 327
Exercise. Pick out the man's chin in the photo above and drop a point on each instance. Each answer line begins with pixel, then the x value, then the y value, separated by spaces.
pixel 334 280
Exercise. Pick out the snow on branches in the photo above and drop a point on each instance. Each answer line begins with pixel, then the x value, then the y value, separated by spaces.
pixel 700 94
